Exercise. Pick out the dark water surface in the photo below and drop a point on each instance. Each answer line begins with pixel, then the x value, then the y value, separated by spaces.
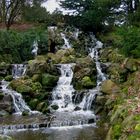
pixel 63 133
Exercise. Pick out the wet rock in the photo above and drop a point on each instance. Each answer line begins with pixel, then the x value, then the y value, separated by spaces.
pixel 54 107
pixel 91 121
pixel 3 113
pixel 6 104
pixel 109 87
pixel 41 106
pixel 25 113
pixel 1 96
pixel 78 96
pixel 5 137
pixel 77 108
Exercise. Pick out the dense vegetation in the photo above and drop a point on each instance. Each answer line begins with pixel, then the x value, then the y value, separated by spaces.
pixel 115 22
pixel 17 46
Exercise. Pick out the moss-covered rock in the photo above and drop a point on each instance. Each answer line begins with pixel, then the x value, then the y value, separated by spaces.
pixel 132 65
pixel 85 67
pixel 49 81
pixel 24 89
pixel 33 103
pixel 38 65
pixel 41 106
pixel 87 82
pixel 36 78
pixel 9 78
pixel 109 87
pixel 36 86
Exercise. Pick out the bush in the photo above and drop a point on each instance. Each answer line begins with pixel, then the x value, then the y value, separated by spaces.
pixel 130 43
pixel 19 44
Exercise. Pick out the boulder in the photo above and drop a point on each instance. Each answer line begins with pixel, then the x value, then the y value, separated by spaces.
pixel 109 87
pixel 87 83
pixel 9 78
pixel 6 104
pixel 49 81
pixel 24 89
pixel 33 103
pixel 41 106
pixel 84 73
pixel 37 66
pixel 54 107
pixel 77 108
pixel 132 65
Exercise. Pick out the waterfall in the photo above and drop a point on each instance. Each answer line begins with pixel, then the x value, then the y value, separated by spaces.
pixel 66 41
pixel 35 48
pixel 18 70
pixel 91 95
pixel 62 94
pixel 19 104
pixel 94 54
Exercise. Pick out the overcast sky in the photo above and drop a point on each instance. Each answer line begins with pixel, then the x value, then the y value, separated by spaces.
pixel 51 5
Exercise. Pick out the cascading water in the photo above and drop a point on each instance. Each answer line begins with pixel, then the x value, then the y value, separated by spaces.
pixel 91 95
pixel 94 54
pixel 69 112
pixel 19 105
pixel 18 70
pixel 66 41
pixel 35 48
pixel 62 94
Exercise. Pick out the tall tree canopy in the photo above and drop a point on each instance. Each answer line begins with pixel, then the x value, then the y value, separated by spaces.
pixel 11 9
pixel 91 14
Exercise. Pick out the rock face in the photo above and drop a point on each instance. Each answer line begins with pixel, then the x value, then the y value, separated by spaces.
pixel 84 73
pixel 122 93
pixel 109 87
pixel 5 105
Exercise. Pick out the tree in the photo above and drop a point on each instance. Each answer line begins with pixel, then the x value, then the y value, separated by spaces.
pixel 91 14
pixel 11 9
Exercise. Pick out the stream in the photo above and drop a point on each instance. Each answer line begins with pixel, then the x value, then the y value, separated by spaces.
pixel 71 121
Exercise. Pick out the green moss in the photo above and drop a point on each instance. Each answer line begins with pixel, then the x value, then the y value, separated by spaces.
pixel 9 78
pixel 24 89
pixel 137 127
pixel 33 103
pixel 87 83
pixel 48 80
pixel 117 131
pixel 36 86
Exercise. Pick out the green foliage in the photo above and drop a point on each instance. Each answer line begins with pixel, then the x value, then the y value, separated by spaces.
pixel 134 18
pixel 130 43
pixel 19 44
pixel 116 131
pixel 91 13
pixel 35 13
